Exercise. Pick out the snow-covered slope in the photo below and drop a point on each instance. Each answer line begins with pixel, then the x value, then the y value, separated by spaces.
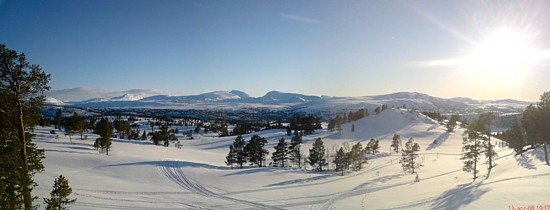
pixel 138 175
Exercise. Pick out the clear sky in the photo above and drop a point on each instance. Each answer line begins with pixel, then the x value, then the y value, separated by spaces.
pixel 477 49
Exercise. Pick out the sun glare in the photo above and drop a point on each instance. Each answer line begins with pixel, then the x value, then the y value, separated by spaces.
pixel 505 54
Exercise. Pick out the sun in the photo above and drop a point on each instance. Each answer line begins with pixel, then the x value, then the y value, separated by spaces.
pixel 504 54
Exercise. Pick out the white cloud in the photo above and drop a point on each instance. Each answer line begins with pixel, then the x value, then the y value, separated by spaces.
pixel 300 18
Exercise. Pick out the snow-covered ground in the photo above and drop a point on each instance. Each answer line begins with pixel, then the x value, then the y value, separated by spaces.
pixel 139 175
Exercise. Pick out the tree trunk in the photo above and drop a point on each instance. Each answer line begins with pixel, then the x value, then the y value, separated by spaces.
pixel 546 154
pixel 25 179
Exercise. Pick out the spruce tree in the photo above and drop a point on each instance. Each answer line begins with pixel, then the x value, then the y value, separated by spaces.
pixel 280 156
pixel 60 195
pixel 21 95
pixel 409 156
pixel 316 156
pixel 58 119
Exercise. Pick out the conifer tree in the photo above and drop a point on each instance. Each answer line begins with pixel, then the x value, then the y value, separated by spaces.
pixel 295 151
pixel 280 156
pixel 316 156
pixel 255 150
pixel 356 156
pixel 409 156
pixel 353 127
pixel 60 195
pixel 231 157
pixel 21 95
pixel 373 146
pixel 396 142
pixel 452 123
pixel 340 160
pixel 240 154
pixel 105 131
pixel 58 119
pixel 471 151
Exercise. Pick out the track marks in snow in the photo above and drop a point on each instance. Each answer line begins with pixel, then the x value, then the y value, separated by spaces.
pixel 172 170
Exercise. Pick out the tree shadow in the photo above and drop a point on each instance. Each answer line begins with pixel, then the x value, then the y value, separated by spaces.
pixel 300 181
pixel 460 196
pixel 382 179
pixel 170 164
pixel 525 162
pixel 439 140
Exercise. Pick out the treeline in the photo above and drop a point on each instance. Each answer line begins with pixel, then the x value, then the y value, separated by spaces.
pixel 532 130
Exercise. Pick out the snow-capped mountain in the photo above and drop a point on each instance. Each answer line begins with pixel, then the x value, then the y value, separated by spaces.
pixel 234 100
pixel 127 97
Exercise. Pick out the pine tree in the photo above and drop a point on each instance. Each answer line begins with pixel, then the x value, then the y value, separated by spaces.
pixel 409 156
pixel 231 157
pixel 21 95
pixel 240 154
pixel 373 146
pixel 353 127
pixel 316 156
pixel 356 156
pixel 340 160
pixel 471 151
pixel 295 151
pixel 255 150
pixel 60 195
pixel 58 119
pixel 396 142
pixel 105 131
pixel 280 156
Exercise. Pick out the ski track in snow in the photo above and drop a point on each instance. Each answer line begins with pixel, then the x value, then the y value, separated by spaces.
pixel 172 170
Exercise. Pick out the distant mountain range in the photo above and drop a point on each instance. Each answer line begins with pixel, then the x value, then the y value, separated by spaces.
pixel 238 100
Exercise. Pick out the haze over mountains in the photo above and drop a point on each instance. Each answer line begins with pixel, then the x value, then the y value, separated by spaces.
pixel 236 100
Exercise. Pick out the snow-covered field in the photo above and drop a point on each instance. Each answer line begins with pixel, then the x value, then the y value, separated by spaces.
pixel 139 175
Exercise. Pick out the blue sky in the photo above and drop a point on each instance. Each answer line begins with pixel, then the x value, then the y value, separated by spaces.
pixel 337 48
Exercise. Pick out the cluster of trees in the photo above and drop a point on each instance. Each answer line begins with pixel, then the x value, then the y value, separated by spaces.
pixel 253 152
pixel 355 158
pixel 338 121
pixel 306 125
pixel 532 129
pixel 435 115
pixel 21 95
pixel 105 131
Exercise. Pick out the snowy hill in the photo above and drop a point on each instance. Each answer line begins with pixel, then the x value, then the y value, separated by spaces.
pixel 138 175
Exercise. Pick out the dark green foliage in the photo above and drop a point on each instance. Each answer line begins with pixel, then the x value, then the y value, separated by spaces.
pixel 231 157
pixel 396 142
pixel 306 124
pixel 255 150
pixel 280 156
pixel 105 132
pixel 60 195
pixel 21 95
pixel 316 156
pixel 165 135
pixel 409 156
pixel 240 154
